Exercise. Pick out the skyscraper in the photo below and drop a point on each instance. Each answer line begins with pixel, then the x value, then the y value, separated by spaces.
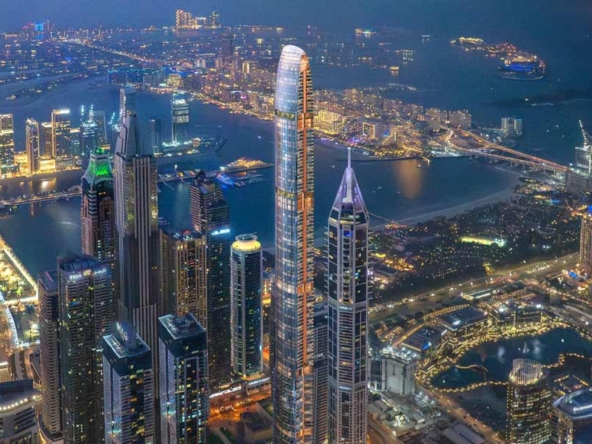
pixel 210 216
pixel 128 388
pixel 247 310
pixel 156 134
pixel 32 144
pixel 6 143
pixel 574 417
pixel 292 298
pixel 90 138
pixel 47 139
pixel 97 212
pixel 50 421
pixel 586 242
pixel 528 404
pixel 183 273
pixel 60 135
pixel 179 120
pixel 98 117
pixel 85 291
pixel 184 390
pixel 321 372
pixel 127 102
pixel 136 208
pixel 347 295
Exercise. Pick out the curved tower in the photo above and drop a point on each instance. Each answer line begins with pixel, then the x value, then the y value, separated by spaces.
pixel 347 295
pixel 528 404
pixel 292 299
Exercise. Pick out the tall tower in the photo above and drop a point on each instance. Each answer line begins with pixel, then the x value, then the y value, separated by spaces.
pixel 184 390
pixel 128 387
pixel 156 134
pixel 60 135
pixel 247 311
pixel 127 102
pixel 183 273
pixel 85 293
pixel 50 421
pixel 210 216
pixel 347 295
pixel 98 117
pixel 179 120
pixel 136 209
pixel 47 139
pixel 586 241
pixel 528 404
pixel 6 143
pixel 321 372
pixel 32 144
pixel 97 213
pixel 293 300
pixel 89 138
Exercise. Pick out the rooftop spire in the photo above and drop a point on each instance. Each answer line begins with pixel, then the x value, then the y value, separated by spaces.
pixel 349 187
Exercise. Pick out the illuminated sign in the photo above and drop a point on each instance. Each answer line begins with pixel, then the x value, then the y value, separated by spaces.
pixel 221 231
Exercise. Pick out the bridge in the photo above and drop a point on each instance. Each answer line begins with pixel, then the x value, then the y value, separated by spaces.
pixel 460 141
pixel 26 200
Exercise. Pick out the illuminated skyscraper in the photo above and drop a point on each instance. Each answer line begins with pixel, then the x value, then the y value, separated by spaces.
pixel 184 389
pixel 586 242
pixel 573 413
pixel 347 295
pixel 50 422
pixel 32 144
pixel 528 404
pixel 60 136
pixel 6 143
pixel 179 120
pixel 90 138
pixel 183 273
pixel 292 309
pixel 18 402
pixel 127 102
pixel 97 213
pixel 210 216
pixel 46 139
pixel 247 311
pixel 128 388
pixel 136 209
pixel 321 373
pixel 85 292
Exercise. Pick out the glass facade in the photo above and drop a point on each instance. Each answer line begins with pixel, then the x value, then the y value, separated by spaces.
pixel 247 314
pixel 347 291
pixel 292 299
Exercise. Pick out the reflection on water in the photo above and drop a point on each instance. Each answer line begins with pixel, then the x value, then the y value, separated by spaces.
pixel 409 177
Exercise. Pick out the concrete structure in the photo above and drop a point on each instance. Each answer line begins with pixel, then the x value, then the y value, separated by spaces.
pixel 398 370
pixel 179 121
pixel 292 339
pixel 32 145
pixel 60 133
pixel 573 413
pixel 321 372
pixel 18 401
pixel 6 143
pixel 586 242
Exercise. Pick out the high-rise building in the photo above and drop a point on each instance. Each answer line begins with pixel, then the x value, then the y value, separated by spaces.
pixel 47 139
pixel 210 216
pixel 136 209
pixel 18 401
pixel 50 421
pixel 573 416
pixel 6 143
pixel 347 295
pixel 586 241
pixel 85 291
pixel 75 148
pixel 184 389
pixel 156 134
pixel 528 404
pixel 98 117
pixel 32 144
pixel 127 102
pixel 179 120
pixel 90 138
pixel 247 310
pixel 128 388
pixel 60 135
pixel 183 273
pixel 321 372
pixel 97 213
pixel 292 341
pixel 511 127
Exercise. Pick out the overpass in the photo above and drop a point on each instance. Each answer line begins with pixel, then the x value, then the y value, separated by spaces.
pixel 460 141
